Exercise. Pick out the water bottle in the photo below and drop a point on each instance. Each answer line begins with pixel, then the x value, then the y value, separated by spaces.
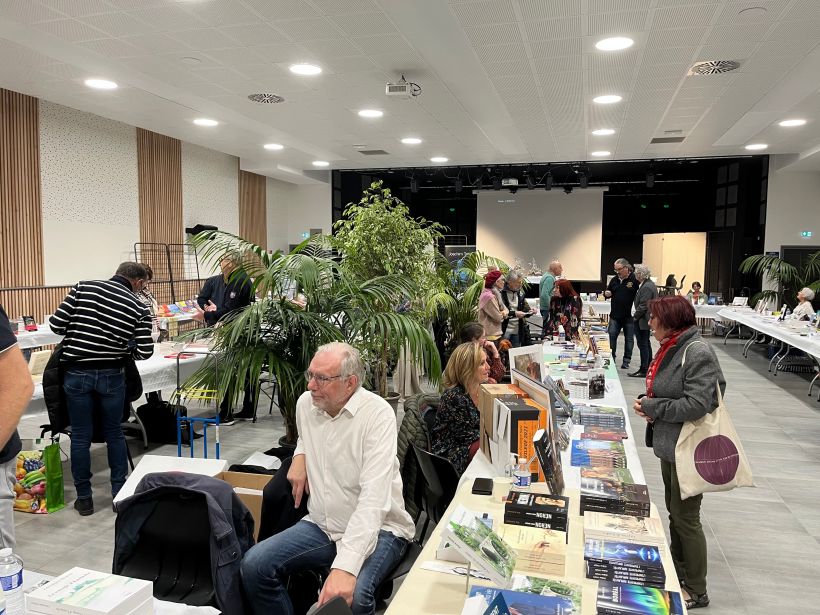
pixel 11 579
pixel 521 474
pixel 562 336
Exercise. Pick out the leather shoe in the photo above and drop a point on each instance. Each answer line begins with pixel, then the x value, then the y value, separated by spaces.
pixel 639 374
pixel 84 506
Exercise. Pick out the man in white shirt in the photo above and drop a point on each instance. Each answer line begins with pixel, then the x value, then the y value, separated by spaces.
pixel 345 459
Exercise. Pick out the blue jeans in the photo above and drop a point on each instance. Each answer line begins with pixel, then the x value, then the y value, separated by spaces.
pixel 266 567
pixel 103 390
pixel 615 326
pixel 644 346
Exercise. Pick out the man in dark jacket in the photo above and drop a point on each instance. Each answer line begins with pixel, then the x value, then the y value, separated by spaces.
pixel 621 290
pixel 220 295
pixel 646 292
pixel 15 394
pixel 103 322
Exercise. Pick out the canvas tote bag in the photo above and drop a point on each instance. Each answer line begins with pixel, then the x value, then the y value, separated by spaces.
pixel 709 455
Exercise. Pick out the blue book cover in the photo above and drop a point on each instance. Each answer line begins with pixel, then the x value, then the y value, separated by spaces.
pixel 525 603
pixel 625 552
pixel 628 599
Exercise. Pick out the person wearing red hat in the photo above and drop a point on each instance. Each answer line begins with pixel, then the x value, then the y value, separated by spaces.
pixel 491 310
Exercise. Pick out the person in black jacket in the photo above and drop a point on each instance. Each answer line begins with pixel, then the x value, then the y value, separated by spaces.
pixel 15 394
pixel 220 295
pixel 621 290
pixel 515 327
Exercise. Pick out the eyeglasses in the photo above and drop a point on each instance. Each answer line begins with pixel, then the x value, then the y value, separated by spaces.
pixel 320 380
pixel 618 268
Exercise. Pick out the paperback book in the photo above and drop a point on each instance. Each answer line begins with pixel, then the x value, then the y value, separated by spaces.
pixel 624 528
pixel 549 458
pixel 549 587
pixel 625 562
pixel 598 453
pixel 622 498
pixel 601 416
pixel 523 602
pixel 87 592
pixel 480 545
pixel 628 599
pixel 539 551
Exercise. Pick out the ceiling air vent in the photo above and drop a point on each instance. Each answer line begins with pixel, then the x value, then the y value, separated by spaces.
pixel 657 140
pixel 373 152
pixel 713 67
pixel 266 99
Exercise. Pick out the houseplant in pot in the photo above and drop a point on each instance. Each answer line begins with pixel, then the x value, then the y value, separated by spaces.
pixel 786 279
pixel 279 334
pixel 378 237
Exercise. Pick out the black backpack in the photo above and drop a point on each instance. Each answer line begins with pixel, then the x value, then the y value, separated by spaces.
pixel 160 421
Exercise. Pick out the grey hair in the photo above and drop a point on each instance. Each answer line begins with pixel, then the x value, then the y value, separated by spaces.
pixel 352 364
pixel 554 265
pixel 643 271
pixel 132 271
pixel 232 255
pixel 624 263
pixel 808 293
pixel 512 276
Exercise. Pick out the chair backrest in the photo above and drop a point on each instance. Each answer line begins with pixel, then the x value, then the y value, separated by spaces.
pixel 336 606
pixel 428 415
pixel 441 481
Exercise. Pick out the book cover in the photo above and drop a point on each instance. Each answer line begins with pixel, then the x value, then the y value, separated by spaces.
pixel 625 552
pixel 625 599
pixel 626 528
pixel 616 475
pixel 87 592
pixel 593 489
pixel 546 524
pixel 525 602
pixel 549 587
pixel 546 450
pixel 531 502
pixel 536 545
pixel 480 545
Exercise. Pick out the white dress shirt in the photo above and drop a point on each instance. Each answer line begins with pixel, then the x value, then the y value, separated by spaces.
pixel 353 475
pixel 803 310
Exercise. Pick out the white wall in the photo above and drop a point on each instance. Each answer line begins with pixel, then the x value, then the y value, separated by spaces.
pixel 90 200
pixel 683 254
pixel 792 206
pixel 210 188
pixel 294 209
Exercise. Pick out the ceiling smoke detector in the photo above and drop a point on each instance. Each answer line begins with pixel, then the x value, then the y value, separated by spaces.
pixel 713 67
pixel 266 99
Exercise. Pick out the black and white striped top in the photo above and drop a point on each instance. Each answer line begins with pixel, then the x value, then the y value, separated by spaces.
pixel 98 319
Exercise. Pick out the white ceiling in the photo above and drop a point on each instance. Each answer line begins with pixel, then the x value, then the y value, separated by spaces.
pixel 503 80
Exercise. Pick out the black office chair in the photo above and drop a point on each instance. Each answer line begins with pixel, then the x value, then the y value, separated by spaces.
pixel 337 606
pixel 440 483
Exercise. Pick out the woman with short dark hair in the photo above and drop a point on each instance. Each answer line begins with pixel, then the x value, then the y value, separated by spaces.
pixel 681 385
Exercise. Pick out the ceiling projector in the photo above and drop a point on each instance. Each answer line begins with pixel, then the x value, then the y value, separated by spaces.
pixel 403 89
pixel 509 181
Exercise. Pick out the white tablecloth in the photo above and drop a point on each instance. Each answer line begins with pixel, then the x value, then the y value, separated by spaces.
pixel 42 337
pixel 792 332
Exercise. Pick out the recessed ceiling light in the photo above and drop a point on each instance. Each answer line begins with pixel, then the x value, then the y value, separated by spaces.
pixel 190 60
pixel 438 159
pixel 411 140
pixel 616 43
pixel 305 69
pixel 101 84
pixel 756 146
pixel 788 123
pixel 607 99
pixel 273 146
pixel 321 163
pixel 600 154
pixel 602 132
pixel 204 121
pixel 371 113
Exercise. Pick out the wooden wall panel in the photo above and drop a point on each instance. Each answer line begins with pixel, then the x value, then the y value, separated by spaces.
pixel 253 224
pixel 32 301
pixel 159 162
pixel 21 226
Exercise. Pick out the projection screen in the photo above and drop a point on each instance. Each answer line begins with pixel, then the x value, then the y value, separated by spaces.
pixel 543 226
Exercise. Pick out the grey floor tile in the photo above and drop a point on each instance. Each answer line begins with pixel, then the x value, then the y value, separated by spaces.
pixel 764 592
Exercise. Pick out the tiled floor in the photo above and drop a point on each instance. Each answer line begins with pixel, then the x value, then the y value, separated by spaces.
pixel 763 542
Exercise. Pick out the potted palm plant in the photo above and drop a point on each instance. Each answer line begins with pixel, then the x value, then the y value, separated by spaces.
pixel 785 277
pixel 377 237
pixel 279 335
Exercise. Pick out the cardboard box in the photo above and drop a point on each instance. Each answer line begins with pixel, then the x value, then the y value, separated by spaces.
pixel 516 423
pixel 249 489
pixel 487 396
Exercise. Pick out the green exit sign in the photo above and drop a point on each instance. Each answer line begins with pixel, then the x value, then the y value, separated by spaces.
pixel 805 233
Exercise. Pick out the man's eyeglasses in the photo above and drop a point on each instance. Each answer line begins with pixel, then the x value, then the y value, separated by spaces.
pixel 320 380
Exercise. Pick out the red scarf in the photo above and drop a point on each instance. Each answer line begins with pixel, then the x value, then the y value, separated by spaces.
pixel 666 346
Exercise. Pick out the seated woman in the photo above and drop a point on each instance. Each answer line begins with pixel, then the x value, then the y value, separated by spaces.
pixel 567 309
pixel 696 295
pixel 456 431
pixel 474 332
pixel 491 311
pixel 804 309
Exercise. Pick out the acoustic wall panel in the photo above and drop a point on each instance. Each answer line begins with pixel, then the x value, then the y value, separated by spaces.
pixel 252 205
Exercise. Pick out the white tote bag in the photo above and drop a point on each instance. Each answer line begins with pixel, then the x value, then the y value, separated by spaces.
pixel 709 455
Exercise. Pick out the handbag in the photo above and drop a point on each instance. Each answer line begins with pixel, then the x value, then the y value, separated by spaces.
pixel 39 479
pixel 709 455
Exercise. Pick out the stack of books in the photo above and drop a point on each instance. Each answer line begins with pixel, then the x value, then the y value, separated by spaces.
pixel 608 417
pixel 538 551
pixel 88 592
pixel 629 599
pixel 610 497
pixel 493 600
pixel 598 453
pixel 624 562
pixel 624 528
pixel 594 432
pixel 536 510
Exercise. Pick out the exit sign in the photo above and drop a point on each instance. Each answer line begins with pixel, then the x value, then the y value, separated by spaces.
pixel 805 234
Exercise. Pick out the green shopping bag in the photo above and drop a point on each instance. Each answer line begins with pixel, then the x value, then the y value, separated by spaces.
pixel 39 474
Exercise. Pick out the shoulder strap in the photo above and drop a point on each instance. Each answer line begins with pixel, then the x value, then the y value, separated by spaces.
pixel 683 358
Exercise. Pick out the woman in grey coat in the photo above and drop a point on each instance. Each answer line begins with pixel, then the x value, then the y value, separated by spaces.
pixel 680 386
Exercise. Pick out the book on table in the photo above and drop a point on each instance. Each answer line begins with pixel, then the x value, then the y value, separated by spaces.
pixel 625 562
pixel 549 458
pixel 615 598
pixel 506 601
pixel 480 545
pixel 611 497
pixel 539 551
pixel 624 528
pixel 80 591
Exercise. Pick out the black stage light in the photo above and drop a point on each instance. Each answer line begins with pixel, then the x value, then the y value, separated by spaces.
pixel 414 185
pixel 458 184
pixel 583 179
pixel 497 182
pixel 548 181
pixel 567 189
